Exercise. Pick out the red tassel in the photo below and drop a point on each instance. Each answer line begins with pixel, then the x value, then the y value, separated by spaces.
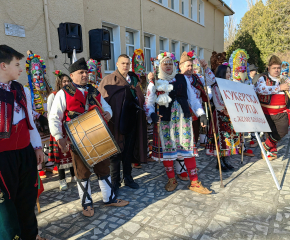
pixel 55 168
pixel 249 151
pixel 41 173
pixel 252 142
pixel 184 174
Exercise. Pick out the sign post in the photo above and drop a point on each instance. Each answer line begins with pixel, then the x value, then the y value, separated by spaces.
pixel 245 112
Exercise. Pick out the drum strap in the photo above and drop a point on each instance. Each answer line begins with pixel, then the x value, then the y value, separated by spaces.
pixel 85 191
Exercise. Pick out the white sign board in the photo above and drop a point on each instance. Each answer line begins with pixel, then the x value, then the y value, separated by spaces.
pixel 243 106
pixel 14 30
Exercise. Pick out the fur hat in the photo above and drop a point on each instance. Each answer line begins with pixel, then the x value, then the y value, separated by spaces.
pixel 217 59
pixel 187 56
pixel 274 60
pixel 80 64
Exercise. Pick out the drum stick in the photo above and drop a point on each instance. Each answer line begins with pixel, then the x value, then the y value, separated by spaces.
pixel 99 105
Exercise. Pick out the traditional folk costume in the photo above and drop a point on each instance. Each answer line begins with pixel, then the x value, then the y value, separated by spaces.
pixel 175 95
pixel 62 160
pixel 273 102
pixel 94 71
pixel 18 165
pixel 70 102
pixel 138 67
pixel 38 88
pixel 128 124
pixel 285 69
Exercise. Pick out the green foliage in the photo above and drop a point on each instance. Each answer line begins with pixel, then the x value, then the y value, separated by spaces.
pixel 264 30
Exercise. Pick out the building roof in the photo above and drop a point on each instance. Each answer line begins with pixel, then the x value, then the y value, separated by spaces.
pixel 221 5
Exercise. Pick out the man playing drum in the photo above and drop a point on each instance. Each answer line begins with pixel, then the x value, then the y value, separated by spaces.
pixel 70 102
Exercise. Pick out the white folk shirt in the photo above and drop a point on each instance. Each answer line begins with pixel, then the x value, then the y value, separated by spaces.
pixel 19 114
pixel 58 108
pixel 192 94
pixel 263 89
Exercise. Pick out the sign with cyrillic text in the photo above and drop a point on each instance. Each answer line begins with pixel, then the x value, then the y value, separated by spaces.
pixel 243 106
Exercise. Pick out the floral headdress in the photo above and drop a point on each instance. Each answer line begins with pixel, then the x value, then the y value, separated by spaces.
pixel 138 63
pixel 239 65
pixel 57 73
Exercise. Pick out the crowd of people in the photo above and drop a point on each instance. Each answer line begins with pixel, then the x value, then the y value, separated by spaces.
pixel 159 117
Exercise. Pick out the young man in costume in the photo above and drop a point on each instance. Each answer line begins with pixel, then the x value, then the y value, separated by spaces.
pixel 71 101
pixel 39 90
pixel 270 89
pixel 121 90
pixel 62 160
pixel 191 69
pixel 171 97
pixel 20 152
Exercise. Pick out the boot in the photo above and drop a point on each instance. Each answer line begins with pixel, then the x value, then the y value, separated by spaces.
pixel 223 166
pixel 196 186
pixel 128 180
pixel 226 163
pixel 171 185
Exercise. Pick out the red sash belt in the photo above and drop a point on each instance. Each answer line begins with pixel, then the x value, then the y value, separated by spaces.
pixel 276 100
pixel 19 138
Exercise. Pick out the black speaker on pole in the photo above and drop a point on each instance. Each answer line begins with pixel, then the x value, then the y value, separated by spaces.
pixel 100 47
pixel 70 37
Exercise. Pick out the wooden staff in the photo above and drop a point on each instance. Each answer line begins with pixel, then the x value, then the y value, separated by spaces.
pixel 214 134
pixel 38 205
pixel 158 131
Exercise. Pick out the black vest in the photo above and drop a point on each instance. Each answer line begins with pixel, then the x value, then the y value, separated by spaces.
pixel 179 94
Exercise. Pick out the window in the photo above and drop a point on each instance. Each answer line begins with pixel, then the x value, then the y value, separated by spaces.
pixel 182 7
pixel 201 12
pixel 193 10
pixel 110 64
pixel 130 46
pixel 160 1
pixel 172 4
pixel 201 51
pixel 163 45
pixel 175 49
pixel 184 47
pixel 147 53
pixel 194 48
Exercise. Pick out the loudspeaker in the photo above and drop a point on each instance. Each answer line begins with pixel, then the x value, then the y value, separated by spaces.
pixel 100 47
pixel 70 37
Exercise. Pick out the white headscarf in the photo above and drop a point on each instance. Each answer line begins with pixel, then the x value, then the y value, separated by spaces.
pixel 163 75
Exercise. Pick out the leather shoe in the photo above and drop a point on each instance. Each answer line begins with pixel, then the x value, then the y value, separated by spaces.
pixel 227 164
pixel 128 180
pixel 118 203
pixel 223 166
pixel 88 211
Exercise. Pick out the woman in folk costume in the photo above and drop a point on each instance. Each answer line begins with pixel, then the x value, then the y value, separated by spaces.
pixel 240 73
pixel 62 160
pixel 40 90
pixel 175 129
pixel 94 71
pixel 228 139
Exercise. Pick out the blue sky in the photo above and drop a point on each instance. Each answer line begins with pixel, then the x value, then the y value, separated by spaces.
pixel 240 8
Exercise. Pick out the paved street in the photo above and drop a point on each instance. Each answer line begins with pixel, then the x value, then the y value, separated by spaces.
pixel 249 207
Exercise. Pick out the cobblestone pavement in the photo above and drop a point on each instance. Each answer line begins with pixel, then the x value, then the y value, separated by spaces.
pixel 249 207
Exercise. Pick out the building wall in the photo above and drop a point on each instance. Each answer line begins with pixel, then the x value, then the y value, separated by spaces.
pixel 158 20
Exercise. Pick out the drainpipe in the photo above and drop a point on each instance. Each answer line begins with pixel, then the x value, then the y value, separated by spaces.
pixel 46 20
pixel 142 32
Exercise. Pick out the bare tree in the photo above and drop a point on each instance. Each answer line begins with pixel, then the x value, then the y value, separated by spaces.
pixel 251 3
pixel 230 30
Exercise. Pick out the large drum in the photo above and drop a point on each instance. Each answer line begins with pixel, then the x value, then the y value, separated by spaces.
pixel 91 138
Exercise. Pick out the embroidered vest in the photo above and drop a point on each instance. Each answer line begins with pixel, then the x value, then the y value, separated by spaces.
pixel 199 86
pixel 267 99
pixel 179 94
pixel 76 101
